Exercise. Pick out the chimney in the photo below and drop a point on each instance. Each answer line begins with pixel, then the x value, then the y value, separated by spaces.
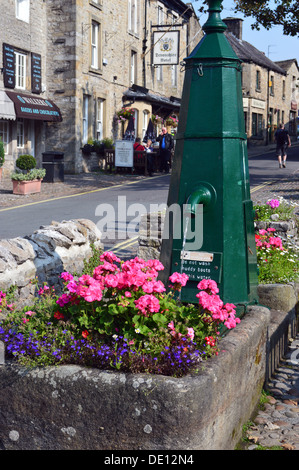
pixel 234 26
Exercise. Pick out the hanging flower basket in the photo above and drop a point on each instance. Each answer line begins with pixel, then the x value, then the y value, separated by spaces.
pixel 124 114
pixel 172 121
pixel 156 119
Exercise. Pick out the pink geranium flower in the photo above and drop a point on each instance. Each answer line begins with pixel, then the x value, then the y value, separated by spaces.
pixel 209 285
pixel 147 304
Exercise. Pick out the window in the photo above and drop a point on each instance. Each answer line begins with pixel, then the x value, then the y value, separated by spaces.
pixel 20 70
pixel 278 117
pixel 271 85
pixel 283 89
pixel 135 121
pixel 132 16
pixel 20 133
pixel 99 118
pixel 22 10
pixel 258 81
pixel 160 17
pixel 159 73
pixel 257 124
pixel 174 75
pixel 4 135
pixel 85 118
pixel 145 122
pixel 133 68
pixel 95 27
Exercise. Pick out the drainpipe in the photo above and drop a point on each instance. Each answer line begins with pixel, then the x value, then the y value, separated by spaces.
pixel 144 47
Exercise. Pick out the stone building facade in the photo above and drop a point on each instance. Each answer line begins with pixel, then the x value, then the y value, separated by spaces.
pixel 100 60
pixel 23 49
pixel 270 89
pixel 94 57
pixel 68 68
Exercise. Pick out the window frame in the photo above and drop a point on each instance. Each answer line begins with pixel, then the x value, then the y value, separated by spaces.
pixel 258 80
pixel 145 121
pixel 133 67
pixel 174 75
pixel 3 133
pixel 99 118
pixel 133 16
pixel 20 13
pixel 20 79
pixel 257 122
pixel 20 133
pixel 271 85
pixel 85 118
pixel 95 45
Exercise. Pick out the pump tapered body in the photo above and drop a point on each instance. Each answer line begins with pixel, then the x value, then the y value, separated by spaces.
pixel 210 172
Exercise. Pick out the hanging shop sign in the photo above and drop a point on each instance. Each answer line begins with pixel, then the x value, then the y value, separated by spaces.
pixel 166 47
pixel 8 66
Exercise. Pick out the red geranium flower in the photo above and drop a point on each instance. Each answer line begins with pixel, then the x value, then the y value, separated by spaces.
pixel 58 315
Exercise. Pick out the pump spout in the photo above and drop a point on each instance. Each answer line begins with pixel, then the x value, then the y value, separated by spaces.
pixel 202 195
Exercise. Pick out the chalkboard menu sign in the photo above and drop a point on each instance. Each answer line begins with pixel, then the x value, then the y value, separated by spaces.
pixel 8 66
pixel 36 73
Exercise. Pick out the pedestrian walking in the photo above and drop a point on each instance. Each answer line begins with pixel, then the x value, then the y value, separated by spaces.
pixel 283 141
pixel 165 145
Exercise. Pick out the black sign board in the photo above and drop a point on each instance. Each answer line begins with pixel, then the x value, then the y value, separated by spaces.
pixel 8 66
pixel 36 73
pixel 198 265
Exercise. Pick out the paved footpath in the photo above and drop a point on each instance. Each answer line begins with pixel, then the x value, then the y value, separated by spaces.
pixel 276 424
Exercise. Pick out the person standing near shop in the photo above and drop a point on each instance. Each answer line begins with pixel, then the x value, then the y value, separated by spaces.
pixel 149 156
pixel 283 141
pixel 165 145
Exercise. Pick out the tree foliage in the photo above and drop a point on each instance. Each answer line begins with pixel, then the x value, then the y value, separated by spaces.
pixel 272 13
pixel 269 13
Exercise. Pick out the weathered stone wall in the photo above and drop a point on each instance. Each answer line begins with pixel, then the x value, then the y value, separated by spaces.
pixel 70 408
pixel 45 254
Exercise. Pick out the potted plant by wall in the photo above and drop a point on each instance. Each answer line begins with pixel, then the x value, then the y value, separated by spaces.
pixel 2 157
pixel 88 148
pixel 27 178
pixel 98 147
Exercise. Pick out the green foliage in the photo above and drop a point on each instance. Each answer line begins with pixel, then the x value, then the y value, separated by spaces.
pixel 26 162
pixel 2 153
pixel 264 212
pixel 108 143
pixel 277 258
pixel 267 14
pixel 93 261
pixel 37 173
pixel 277 266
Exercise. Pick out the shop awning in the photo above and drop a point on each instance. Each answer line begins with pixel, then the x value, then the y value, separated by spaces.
pixel 159 103
pixel 34 107
pixel 7 109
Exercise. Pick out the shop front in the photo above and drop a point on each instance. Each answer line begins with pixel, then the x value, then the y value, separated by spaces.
pixel 23 119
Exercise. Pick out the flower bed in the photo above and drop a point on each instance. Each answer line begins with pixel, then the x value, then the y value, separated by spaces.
pixel 277 255
pixel 118 316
